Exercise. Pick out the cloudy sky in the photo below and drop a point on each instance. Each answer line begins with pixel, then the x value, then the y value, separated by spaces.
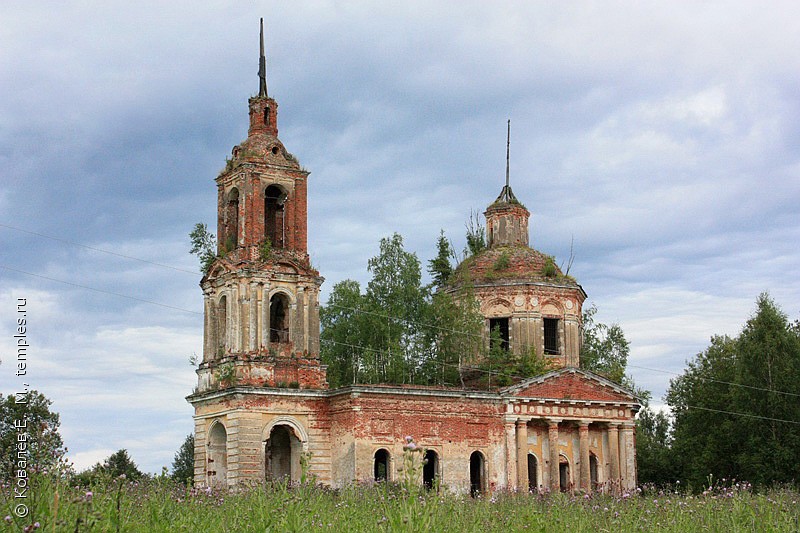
pixel 661 137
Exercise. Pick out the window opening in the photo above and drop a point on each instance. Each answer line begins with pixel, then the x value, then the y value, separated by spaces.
pixel 477 482
pixel 593 471
pixel 274 216
pixel 430 470
pixel 278 321
pixel 532 477
pixel 499 325
pixel 551 336
pixel 563 475
pixel 381 465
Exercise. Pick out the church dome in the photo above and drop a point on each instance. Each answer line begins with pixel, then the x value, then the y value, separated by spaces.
pixel 510 264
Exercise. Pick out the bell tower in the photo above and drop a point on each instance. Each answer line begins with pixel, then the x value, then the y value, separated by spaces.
pixel 261 294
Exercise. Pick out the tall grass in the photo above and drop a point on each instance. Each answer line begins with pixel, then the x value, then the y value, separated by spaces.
pixel 161 505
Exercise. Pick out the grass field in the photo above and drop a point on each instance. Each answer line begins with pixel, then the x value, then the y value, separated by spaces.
pixel 159 504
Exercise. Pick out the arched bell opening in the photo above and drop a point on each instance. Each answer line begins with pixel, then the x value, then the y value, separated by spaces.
pixel 279 318
pixel 275 216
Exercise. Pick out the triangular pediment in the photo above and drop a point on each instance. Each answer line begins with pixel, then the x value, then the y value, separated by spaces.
pixel 571 384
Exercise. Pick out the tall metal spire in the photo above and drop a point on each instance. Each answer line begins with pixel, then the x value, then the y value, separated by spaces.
pixel 506 196
pixel 262 66
pixel 508 149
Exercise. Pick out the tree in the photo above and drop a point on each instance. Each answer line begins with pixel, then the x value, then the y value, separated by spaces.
pixel 204 246
pixel 604 349
pixel 343 335
pixel 396 302
pixel 736 406
pixel 768 370
pixel 653 448
pixel 183 464
pixel 439 267
pixel 40 428
pixel 476 235
pixel 119 464
pixel 115 465
pixel 454 335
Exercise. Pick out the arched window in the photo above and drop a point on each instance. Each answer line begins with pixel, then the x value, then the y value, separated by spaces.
pixel 222 326
pixel 381 465
pixel 278 318
pixel 430 470
pixel 477 474
pixel 217 458
pixel 533 479
pixel 232 221
pixel 274 222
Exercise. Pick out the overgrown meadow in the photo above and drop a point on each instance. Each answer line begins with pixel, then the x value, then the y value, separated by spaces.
pixel 160 504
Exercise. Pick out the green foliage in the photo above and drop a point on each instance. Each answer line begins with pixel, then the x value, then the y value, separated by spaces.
pixel 265 249
pixel 454 335
pixel 183 464
pixel 344 329
pixel 398 331
pixel 120 463
pixel 411 467
pixel 549 268
pixel 501 263
pixel 162 505
pixel 440 267
pixel 230 244
pixel 505 368
pixel 756 375
pixel 653 448
pixel 44 444
pixel 476 235
pixel 604 349
pixel 116 465
pixel 204 246
pixel 226 374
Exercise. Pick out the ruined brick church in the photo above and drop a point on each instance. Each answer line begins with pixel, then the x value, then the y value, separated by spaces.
pixel 263 409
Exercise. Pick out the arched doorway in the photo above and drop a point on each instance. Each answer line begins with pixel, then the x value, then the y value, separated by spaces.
pixel 381 465
pixel 217 457
pixel 278 318
pixel 477 474
pixel 533 479
pixel 274 199
pixel 282 454
pixel 430 470
pixel 593 472
pixel 563 474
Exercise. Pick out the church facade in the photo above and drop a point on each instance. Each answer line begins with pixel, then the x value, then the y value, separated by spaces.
pixel 263 409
